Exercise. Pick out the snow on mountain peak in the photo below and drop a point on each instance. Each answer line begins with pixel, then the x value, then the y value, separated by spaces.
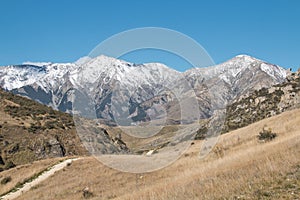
pixel 107 68
pixel 273 70
pixel 245 56
pixel 103 67
pixel 16 76
pixel 228 71
pixel 103 77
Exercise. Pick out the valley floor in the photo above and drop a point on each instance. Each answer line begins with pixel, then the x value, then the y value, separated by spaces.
pixel 239 167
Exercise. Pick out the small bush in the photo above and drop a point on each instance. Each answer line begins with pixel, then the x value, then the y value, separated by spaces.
pixel 9 165
pixel 50 124
pixel 5 180
pixel 201 133
pixel 219 151
pixel 267 135
pixel 86 193
pixel 19 185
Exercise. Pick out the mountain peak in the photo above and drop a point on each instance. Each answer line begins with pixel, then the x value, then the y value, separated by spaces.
pixel 246 58
pixel 243 56
pixel 108 60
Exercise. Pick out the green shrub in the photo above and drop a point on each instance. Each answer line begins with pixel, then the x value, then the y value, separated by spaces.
pixel 87 194
pixel 50 124
pixel 201 133
pixel 9 165
pixel 19 185
pixel 5 180
pixel 267 135
pixel 34 127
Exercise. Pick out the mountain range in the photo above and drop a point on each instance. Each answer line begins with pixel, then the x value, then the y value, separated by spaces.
pixel 247 89
pixel 126 93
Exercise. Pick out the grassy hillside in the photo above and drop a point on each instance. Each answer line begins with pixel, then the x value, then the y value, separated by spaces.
pixel 30 131
pixel 240 167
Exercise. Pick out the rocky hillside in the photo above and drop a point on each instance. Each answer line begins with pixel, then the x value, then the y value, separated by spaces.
pixel 264 103
pixel 31 131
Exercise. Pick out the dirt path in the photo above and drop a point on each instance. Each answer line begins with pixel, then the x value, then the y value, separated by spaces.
pixel 39 179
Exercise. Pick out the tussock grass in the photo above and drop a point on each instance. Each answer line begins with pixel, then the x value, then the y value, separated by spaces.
pixel 247 169
pixel 24 172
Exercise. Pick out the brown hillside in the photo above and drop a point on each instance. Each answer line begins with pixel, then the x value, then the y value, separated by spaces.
pixel 239 167
pixel 30 131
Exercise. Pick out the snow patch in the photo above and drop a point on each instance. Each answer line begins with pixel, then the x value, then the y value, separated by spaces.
pixel 40 64
pixel 273 71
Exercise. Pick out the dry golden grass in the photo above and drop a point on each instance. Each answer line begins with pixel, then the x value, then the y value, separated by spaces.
pixel 137 143
pixel 245 169
pixel 23 172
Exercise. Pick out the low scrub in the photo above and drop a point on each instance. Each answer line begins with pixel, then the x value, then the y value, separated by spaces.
pixel 9 165
pixel 5 180
pixel 267 135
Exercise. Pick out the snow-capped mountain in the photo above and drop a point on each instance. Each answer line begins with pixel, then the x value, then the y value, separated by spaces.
pixel 39 82
pixel 142 92
pixel 232 69
pixel 235 77
pixel 44 74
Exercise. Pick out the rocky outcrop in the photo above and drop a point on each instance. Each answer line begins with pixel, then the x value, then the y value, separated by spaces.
pixel 49 148
pixel 97 140
pixel 264 103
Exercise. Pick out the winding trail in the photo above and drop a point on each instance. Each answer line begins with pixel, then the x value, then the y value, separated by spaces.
pixel 39 179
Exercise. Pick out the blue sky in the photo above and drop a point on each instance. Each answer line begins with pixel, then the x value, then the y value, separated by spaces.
pixel 65 30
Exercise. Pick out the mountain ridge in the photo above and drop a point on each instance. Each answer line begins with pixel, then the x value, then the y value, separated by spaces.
pixel 56 83
pixel 47 66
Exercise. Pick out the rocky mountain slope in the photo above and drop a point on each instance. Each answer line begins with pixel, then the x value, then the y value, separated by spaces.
pixel 264 103
pixel 31 131
pixel 143 92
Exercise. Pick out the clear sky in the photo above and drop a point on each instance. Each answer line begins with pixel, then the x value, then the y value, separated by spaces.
pixel 65 30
